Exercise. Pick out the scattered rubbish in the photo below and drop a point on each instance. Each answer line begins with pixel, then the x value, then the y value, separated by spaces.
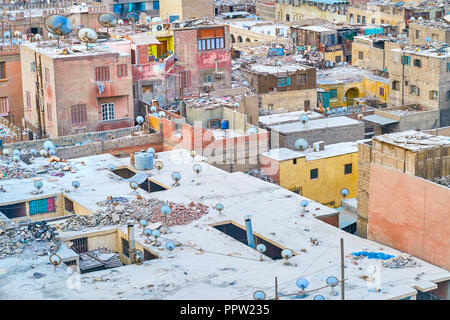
pixel 400 262
pixel 373 255
pixel 38 275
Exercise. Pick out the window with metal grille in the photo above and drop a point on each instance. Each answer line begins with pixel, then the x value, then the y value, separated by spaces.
pixel 314 174
pixel 395 85
pixel 211 39
pixel 108 111
pixel 79 115
pixel 49 112
pixel 3 71
pixel 149 256
pixel 68 205
pixel 70 263
pixel 348 168
pixel 42 206
pixel 125 248
pixel 301 79
pixel 185 79
pixel 381 91
pixel 80 245
pixel 102 73
pixel 122 70
pixel 4 106
pixel 360 55
pixel 433 94
pixel 28 99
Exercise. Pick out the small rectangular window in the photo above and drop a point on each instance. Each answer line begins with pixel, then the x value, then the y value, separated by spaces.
pixel 294 161
pixel 102 73
pixel 360 55
pixel 382 91
pixel 4 106
pixel 122 70
pixel 348 168
pixel 314 174
pixel 199 42
pixel 108 112
pixel 284 82
pixel 396 85
pixel 333 93
pixel 46 75
pixel 302 79
pixel 3 71
pixel 433 95
pixel 222 43
pixel 417 63
pixel 79 115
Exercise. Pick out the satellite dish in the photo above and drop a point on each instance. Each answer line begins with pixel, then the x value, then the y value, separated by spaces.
pixel 120 22
pixel 302 283
pixel 197 168
pixel 420 18
pixel 170 246
pixel 245 83
pixel 16 158
pixel 236 104
pixel 153 109
pixel 176 176
pixel 332 281
pixel 16 152
pixel 344 192
pixel 143 222
pixel 33 152
pixel 48 145
pixel 286 254
pixel 156 234
pixel 193 154
pixel 6 152
pixel 87 35
pixel 261 248
pixel 107 20
pixel 219 207
pixel 412 19
pixel 75 184
pixel 147 232
pixel 17 34
pixel 38 184
pixel 111 167
pixel 158 165
pixel 427 39
pixel 162 114
pixel 148 19
pixel 43 152
pixel 140 119
pixel 134 185
pixel 259 295
pixel 151 150
pixel 304 203
pixel 399 4
pixel 165 210
pixel 55 260
pixel 133 16
pixel 319 297
pixel 138 256
pixel 252 130
pixel 58 25
pixel 52 152
pixel 304 118
pixel 301 144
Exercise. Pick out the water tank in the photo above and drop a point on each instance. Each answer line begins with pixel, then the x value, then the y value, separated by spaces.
pixel 224 124
pixel 143 160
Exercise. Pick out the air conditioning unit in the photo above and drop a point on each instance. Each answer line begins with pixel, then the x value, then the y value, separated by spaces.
pixel 318 146
pixel 158 27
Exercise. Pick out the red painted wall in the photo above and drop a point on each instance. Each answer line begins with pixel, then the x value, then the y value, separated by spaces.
pixel 410 214
pixel 270 168
pixel 12 88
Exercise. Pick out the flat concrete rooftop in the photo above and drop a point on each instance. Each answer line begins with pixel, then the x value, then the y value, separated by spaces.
pixel 314 124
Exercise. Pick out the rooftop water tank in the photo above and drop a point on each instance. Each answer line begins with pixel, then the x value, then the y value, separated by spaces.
pixel 224 125
pixel 143 161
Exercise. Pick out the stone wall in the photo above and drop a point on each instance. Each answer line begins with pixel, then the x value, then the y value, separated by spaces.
pixel 364 158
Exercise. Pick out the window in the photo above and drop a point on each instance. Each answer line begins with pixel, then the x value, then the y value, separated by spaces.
pixel 3 71
pixel 107 111
pixel 448 95
pixel 414 90
pixel 406 60
pixel 382 21
pixel 125 248
pixel 337 59
pixel 314 174
pixel 49 112
pixel 28 99
pixel 348 168
pixel 79 115
pixel 396 85
pixel 417 34
pixel 382 91
pixel 373 20
pixel 270 106
pixel 417 63
pixel 102 73
pixel 434 37
pixel 210 39
pixel 284 81
pixel 358 18
pixel 307 105
pixel 360 55
pixel 333 93
pixel 363 19
pixel 4 106
pixel 80 245
pixel 122 70
pixel 448 66
pixel 433 95
pixel 301 79
pixel 207 78
pixel 294 161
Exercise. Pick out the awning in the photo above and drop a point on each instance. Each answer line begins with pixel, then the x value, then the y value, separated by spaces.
pixel 379 119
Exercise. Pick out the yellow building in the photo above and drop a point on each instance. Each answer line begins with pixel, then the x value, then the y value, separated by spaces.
pixel 318 175
pixel 343 84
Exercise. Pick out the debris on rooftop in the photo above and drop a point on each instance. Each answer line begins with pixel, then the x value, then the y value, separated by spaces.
pixel 400 262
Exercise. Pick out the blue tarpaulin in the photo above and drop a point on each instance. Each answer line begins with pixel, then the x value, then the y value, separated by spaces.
pixel 373 255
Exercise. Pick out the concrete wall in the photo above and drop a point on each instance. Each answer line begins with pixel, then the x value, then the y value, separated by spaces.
pixel 305 11
pixel 186 9
pixel 329 135
pixel 364 159
pixel 265 11
pixel 422 120
pixel 373 58
pixel 289 101
pixel 423 32
pixel 410 214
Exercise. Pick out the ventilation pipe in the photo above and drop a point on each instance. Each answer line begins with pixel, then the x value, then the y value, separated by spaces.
pixel 248 227
pixel 131 238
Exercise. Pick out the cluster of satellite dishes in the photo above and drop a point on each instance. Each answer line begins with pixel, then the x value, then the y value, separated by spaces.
pixel 302 284
pixel 48 149
pixel 58 26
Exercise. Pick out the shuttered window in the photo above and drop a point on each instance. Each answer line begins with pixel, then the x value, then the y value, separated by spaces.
pixel 185 79
pixel 122 70
pixel 102 73
pixel 4 106
pixel 79 115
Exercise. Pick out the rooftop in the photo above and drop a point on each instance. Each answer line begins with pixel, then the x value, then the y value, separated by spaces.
pixel 414 140
pixel 224 268
pixel 314 124
pixel 280 118
pixel 283 68
pixel 345 74
pixel 330 150
pixel 440 51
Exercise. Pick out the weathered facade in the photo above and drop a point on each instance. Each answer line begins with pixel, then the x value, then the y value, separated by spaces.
pixel 172 10
pixel 77 92
pixel 424 32
pixel 295 10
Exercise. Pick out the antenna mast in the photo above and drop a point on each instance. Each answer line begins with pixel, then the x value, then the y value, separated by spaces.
pixel 342 269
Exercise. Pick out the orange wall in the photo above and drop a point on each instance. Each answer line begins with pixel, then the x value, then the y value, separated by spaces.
pixel 410 214
pixel 12 88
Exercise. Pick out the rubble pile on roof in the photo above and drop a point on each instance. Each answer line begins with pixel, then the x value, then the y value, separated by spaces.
pixel 400 262
pixel 445 181
pixel 207 101
pixel 14 239
pixel 437 23
pixel 258 174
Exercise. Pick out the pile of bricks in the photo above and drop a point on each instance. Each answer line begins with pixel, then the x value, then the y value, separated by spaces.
pixel 180 214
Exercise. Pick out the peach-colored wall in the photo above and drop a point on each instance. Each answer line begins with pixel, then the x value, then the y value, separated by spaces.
pixel 410 214
pixel 12 88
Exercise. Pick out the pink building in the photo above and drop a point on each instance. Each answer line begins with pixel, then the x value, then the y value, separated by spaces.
pixel 77 90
